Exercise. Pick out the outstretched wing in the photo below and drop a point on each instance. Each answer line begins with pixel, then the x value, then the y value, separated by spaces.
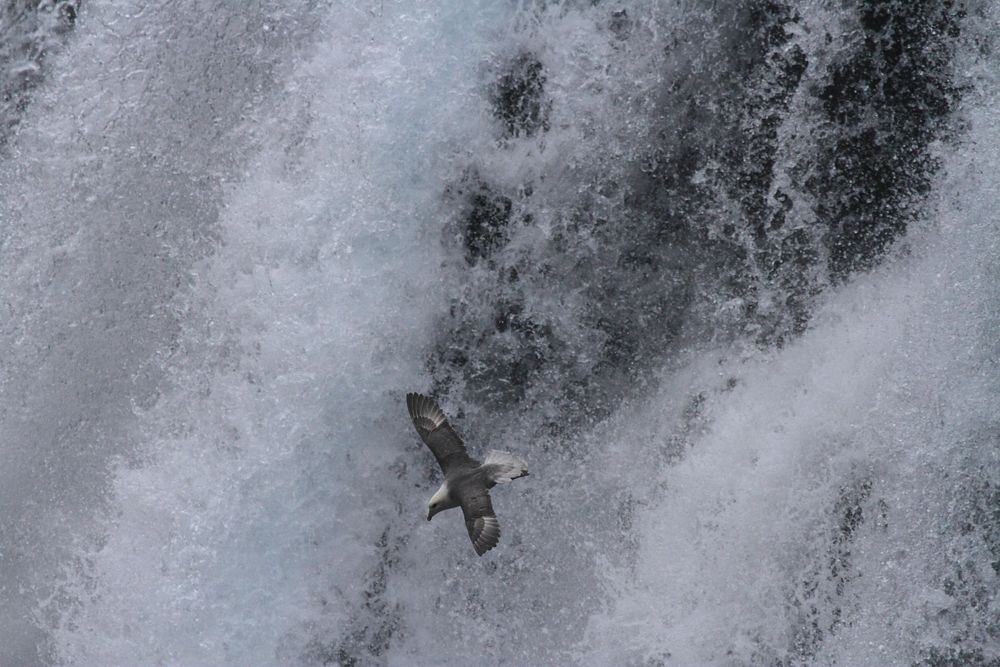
pixel 436 432
pixel 481 522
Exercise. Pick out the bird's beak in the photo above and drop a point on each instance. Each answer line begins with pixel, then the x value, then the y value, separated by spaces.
pixel 429 515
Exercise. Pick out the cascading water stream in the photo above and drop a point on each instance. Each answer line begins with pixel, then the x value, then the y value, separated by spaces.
pixel 724 275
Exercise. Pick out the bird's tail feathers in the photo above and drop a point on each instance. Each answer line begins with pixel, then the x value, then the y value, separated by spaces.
pixel 504 467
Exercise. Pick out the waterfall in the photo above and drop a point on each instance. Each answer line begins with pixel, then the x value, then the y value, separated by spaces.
pixel 724 274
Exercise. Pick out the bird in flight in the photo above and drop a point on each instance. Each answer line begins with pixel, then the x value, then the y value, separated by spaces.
pixel 466 481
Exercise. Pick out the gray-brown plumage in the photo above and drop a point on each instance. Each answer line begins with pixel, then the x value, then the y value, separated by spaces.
pixel 466 481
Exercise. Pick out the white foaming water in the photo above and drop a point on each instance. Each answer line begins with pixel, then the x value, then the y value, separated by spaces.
pixel 244 527
pixel 824 513
pixel 251 235
pixel 109 193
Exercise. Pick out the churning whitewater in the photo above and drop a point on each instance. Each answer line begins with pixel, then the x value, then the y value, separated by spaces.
pixel 726 274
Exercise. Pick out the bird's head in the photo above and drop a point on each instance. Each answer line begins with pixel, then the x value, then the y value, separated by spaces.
pixel 441 500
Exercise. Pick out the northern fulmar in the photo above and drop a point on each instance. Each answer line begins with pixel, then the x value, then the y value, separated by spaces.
pixel 466 481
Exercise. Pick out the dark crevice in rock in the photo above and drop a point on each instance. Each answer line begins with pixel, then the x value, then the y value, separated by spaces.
pixel 702 241
pixel 886 103
pixel 30 30
pixel 819 601
pixel 518 97
pixel 970 581
pixel 484 216
pixel 722 138
pixel 374 625
pixel 957 658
